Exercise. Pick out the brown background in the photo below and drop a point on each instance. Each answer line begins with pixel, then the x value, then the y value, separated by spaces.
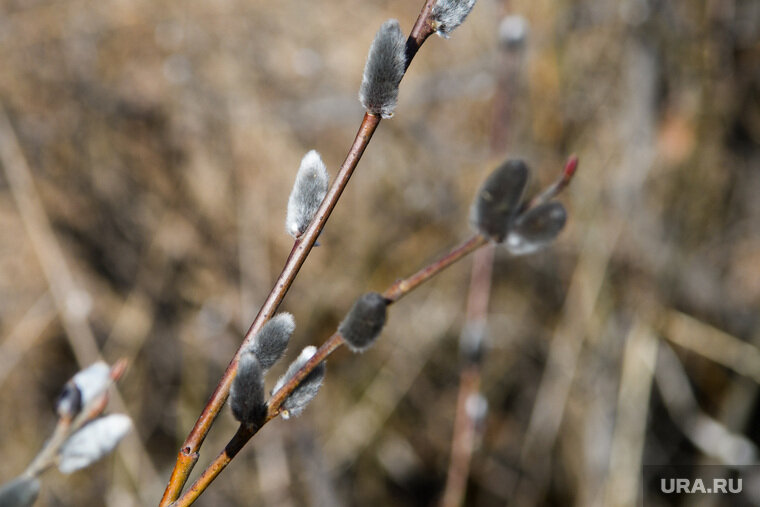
pixel 162 138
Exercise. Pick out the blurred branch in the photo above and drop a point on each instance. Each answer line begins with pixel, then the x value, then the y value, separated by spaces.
pixel 467 423
pixel 71 301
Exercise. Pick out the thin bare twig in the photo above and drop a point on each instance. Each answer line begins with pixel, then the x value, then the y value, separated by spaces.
pixel 471 341
pixel 571 165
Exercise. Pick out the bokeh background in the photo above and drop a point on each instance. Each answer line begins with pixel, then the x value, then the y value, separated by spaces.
pixel 147 152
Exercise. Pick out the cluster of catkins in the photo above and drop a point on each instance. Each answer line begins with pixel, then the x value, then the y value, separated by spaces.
pixel 82 435
pixel 386 62
pixel 500 213
pixel 359 330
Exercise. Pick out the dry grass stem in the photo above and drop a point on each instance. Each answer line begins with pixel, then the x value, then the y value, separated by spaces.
pixel 639 358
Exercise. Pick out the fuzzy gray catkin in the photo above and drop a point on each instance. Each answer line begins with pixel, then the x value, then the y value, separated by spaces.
pixel 271 341
pixel 449 14
pixel 92 442
pixel 386 63
pixel 536 228
pixel 308 192
pixel 247 398
pixel 364 321
pixel 499 199
pixel 83 389
pixel 20 492
pixel 307 389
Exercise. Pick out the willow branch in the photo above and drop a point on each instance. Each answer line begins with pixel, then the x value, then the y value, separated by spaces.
pixel 188 454
pixel 395 292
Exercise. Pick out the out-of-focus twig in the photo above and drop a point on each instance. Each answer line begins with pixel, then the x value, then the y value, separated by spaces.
pixel 466 423
pixel 69 299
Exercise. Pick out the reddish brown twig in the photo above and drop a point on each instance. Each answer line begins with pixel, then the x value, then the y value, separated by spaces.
pixel 188 454
pixel 568 171
pixel 404 286
pixel 471 344
pixel 463 440
pixel 392 294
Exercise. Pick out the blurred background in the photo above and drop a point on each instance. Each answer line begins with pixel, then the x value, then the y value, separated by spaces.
pixel 147 151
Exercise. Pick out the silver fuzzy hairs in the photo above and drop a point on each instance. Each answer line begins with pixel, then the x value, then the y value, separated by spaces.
pixel 383 71
pixel 449 14
pixel 308 192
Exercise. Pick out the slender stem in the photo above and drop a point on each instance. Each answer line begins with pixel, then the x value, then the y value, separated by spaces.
pixel 568 171
pixel 47 455
pixel 278 398
pixel 463 439
pixel 392 294
pixel 471 344
pixel 406 285
pixel 234 446
pixel 188 454
pixel 421 30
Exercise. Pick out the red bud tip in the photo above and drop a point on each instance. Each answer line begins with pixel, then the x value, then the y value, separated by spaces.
pixel 570 167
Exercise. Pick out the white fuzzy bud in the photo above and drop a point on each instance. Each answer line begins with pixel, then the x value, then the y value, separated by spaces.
pixel 307 389
pixel 386 63
pixel 92 442
pixel 271 341
pixel 449 14
pixel 308 192
pixel 84 388
pixel 536 228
